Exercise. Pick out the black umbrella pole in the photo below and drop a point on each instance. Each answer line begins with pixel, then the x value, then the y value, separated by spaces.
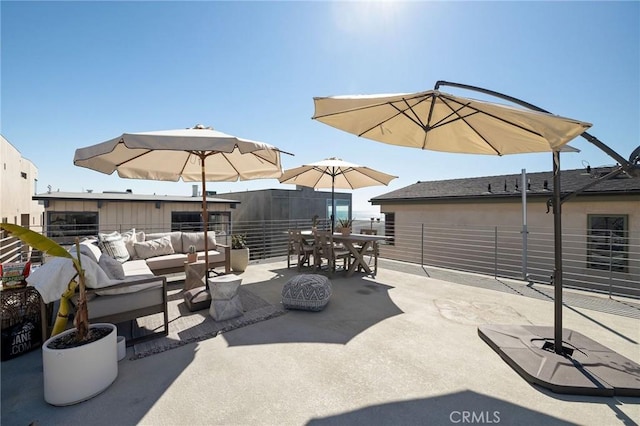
pixel 557 236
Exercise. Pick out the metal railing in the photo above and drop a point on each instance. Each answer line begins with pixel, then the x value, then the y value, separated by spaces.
pixel 495 251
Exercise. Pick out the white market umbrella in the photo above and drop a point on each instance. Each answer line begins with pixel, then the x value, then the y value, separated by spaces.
pixel 197 154
pixel 335 173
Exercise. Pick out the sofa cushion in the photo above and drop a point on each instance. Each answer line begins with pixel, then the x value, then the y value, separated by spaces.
pixel 136 267
pixel 112 267
pixel 153 248
pixel 114 246
pixel 176 260
pixel 197 239
pixel 176 239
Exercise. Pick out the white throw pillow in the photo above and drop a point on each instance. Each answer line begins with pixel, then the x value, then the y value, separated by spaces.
pixel 111 267
pixel 113 245
pixel 90 250
pixel 131 237
pixel 153 248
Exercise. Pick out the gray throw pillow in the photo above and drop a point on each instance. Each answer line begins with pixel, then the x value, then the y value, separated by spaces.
pixel 111 267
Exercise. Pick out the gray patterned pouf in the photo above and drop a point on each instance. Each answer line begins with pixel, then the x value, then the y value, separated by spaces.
pixel 309 292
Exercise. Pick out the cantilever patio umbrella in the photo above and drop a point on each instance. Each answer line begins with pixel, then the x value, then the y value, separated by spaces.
pixel 194 154
pixel 335 173
pixel 438 121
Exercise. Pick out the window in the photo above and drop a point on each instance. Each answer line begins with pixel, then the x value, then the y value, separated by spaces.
pixel 186 221
pixel 607 242
pixel 220 222
pixel 390 227
pixel 65 226
pixel 342 209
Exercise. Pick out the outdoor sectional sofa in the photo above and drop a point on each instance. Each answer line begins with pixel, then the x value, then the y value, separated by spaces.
pixel 164 252
pixel 125 273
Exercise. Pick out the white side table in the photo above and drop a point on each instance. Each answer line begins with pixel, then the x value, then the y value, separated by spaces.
pixel 194 274
pixel 225 298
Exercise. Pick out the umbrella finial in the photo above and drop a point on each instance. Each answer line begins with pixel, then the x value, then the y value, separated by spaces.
pixel 202 126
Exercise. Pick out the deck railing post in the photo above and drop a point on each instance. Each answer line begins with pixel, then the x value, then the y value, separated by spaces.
pixel 610 261
pixel 422 244
pixel 495 253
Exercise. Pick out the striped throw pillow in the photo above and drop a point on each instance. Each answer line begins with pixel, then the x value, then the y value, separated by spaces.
pixel 113 245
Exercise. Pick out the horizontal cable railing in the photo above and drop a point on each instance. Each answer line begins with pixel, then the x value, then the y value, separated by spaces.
pixel 604 263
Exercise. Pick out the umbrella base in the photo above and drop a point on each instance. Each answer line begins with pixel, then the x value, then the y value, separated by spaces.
pixel 585 368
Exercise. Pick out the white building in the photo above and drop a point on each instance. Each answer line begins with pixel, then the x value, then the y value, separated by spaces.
pixel 18 183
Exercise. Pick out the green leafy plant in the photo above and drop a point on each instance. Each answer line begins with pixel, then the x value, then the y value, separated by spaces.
pixel 192 249
pixel 238 241
pixel 46 245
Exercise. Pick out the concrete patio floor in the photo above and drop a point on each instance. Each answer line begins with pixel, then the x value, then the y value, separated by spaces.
pixel 402 348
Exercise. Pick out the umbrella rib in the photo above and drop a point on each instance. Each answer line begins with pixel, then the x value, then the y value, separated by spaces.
pixel 400 112
pixel 121 141
pixel 490 115
pixel 457 113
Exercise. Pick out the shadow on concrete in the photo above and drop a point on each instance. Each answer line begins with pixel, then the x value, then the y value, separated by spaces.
pixel 465 407
pixel 356 304
pixel 138 387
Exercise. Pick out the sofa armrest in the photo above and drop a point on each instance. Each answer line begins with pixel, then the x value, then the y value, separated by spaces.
pixel 226 249
pixel 130 283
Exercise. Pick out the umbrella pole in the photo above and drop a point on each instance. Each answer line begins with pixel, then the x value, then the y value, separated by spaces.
pixel 333 203
pixel 205 219
pixel 557 273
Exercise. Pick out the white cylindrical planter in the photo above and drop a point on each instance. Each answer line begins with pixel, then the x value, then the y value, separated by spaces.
pixel 76 374
pixel 122 348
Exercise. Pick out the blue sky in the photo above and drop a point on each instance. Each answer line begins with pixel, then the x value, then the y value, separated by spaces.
pixel 79 73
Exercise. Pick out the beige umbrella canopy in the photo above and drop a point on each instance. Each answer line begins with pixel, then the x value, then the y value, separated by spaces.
pixel 335 173
pixel 439 121
pixel 194 154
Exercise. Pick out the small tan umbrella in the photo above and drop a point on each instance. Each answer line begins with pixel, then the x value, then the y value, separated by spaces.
pixel 194 154
pixel 335 173
pixel 439 121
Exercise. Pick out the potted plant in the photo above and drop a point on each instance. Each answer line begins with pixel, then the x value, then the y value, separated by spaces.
pixel 344 226
pixel 192 256
pixel 314 223
pixel 239 252
pixel 79 363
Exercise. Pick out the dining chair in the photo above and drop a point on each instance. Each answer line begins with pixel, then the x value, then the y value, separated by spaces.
pixel 326 249
pixel 299 247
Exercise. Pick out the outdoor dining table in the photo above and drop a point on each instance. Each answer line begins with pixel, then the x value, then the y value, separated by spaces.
pixel 358 245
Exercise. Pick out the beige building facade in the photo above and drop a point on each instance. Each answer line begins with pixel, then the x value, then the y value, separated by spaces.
pixel 477 224
pixel 71 214
pixel 18 183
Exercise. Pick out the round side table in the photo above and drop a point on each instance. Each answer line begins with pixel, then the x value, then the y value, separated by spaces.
pixel 195 274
